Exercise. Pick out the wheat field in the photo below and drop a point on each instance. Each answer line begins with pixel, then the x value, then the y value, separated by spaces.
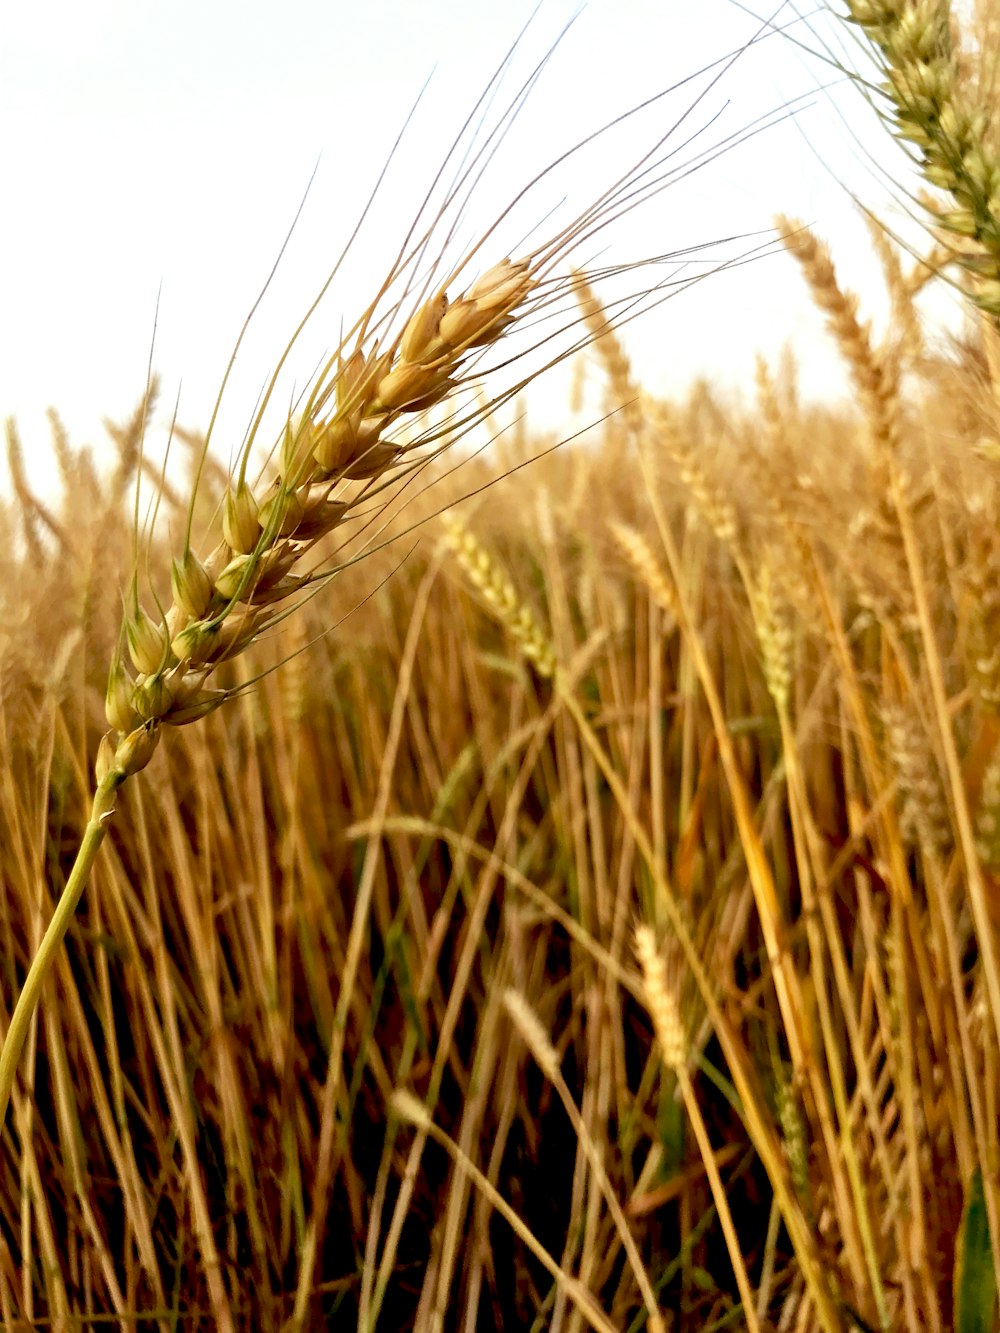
pixel 583 913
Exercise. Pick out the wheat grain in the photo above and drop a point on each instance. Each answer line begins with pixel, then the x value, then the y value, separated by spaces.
pixel 661 994
pixel 532 1031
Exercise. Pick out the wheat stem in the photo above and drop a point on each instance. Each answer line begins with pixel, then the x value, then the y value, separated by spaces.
pixel 13 1043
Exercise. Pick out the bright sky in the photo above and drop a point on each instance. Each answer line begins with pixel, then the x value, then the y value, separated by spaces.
pixel 164 148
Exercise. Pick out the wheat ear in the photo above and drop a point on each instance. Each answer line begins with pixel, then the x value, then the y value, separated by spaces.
pixel 501 596
pixel 937 109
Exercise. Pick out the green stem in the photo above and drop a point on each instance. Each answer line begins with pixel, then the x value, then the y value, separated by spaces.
pixel 27 1002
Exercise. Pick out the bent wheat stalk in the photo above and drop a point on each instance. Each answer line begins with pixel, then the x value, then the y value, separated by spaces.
pixel 222 604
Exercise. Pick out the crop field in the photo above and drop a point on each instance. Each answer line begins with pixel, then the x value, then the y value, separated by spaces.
pixel 518 885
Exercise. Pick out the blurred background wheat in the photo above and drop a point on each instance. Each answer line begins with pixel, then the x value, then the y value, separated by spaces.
pixel 723 672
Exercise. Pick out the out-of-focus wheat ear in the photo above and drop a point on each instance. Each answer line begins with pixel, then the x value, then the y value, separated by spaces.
pixel 905 322
pixel 167 495
pixel 794 1136
pixel 926 269
pixel 988 828
pixel 67 459
pixel 661 1000
pixel 500 595
pixel 128 437
pixel 767 402
pixel 980 607
pixel 875 379
pixel 923 808
pixel 778 484
pixel 664 431
pixel 625 394
pixel 33 512
pixel 533 1033
pixel 775 636
pixel 645 565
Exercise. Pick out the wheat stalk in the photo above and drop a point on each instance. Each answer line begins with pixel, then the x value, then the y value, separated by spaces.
pixel 532 1031
pixel 660 994
pixel 412 1110
pixel 349 439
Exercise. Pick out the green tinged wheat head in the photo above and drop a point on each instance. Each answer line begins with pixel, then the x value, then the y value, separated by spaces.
pixel 947 117
pixel 223 603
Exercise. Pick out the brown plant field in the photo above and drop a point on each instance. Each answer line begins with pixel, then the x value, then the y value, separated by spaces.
pixel 596 927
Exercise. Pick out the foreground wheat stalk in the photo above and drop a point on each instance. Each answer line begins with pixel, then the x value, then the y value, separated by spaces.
pixel 100 817
pixel 347 443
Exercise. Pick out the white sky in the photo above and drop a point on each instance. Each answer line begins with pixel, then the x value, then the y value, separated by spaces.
pixel 165 147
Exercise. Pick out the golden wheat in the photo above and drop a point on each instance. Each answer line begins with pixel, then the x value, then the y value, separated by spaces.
pixel 350 900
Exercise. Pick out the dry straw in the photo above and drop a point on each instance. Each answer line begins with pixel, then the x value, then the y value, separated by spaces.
pixel 411 1110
